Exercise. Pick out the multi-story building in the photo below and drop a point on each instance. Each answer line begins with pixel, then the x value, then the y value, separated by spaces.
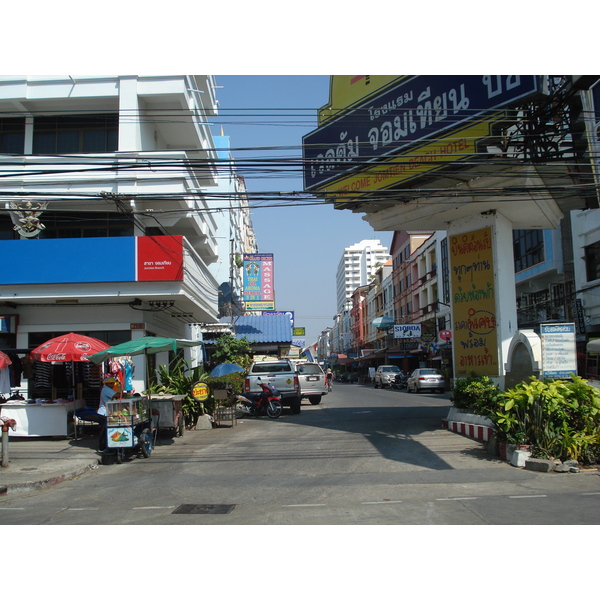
pixel 379 305
pixel 106 217
pixel 357 265
pixel 236 235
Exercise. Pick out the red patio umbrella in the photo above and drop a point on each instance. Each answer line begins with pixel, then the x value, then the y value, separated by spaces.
pixel 70 347
pixel 4 360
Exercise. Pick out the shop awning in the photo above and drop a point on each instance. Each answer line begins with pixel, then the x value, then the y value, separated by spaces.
pixel 593 346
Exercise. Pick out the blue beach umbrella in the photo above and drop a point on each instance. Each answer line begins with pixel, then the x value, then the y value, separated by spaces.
pixel 226 369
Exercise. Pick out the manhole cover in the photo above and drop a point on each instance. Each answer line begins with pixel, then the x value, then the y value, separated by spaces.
pixel 204 509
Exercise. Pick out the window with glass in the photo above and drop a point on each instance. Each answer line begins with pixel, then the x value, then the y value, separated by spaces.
pixel 12 136
pixel 86 225
pixel 528 245
pixel 75 134
pixel 592 261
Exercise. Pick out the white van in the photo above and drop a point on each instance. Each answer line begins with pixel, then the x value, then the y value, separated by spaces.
pixel 312 381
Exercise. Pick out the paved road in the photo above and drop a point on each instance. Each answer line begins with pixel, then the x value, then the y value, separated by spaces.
pixel 363 456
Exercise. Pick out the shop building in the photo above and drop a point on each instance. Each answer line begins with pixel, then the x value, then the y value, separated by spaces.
pixel 107 223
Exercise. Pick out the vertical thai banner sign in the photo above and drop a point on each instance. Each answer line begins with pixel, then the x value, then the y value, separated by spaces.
pixel 259 288
pixel 559 351
pixel 473 303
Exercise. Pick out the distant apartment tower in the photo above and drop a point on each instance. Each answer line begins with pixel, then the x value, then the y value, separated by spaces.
pixel 356 267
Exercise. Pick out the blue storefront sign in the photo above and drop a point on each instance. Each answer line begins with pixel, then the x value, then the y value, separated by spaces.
pixel 418 108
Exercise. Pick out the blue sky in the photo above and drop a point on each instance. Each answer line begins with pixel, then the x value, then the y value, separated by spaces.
pixel 307 242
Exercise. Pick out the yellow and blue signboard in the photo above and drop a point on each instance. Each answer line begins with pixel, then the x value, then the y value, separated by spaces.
pixel 418 109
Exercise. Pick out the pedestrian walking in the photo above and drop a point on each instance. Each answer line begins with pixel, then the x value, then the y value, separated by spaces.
pixel 329 380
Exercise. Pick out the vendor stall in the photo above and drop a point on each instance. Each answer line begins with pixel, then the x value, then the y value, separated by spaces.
pixel 129 428
pixel 170 412
pixel 41 418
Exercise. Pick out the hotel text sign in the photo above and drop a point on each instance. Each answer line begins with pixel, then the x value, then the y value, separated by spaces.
pixel 417 109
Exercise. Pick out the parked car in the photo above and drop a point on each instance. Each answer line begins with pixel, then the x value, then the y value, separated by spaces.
pixel 312 382
pixel 426 379
pixel 282 375
pixel 385 375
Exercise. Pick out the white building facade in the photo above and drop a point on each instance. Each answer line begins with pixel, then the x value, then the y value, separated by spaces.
pixel 357 265
pixel 104 204
pixel 236 235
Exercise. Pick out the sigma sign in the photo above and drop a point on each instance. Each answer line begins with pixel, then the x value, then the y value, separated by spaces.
pixel 417 109
pixel 407 331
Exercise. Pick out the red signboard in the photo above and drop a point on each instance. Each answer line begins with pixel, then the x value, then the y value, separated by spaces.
pixel 160 258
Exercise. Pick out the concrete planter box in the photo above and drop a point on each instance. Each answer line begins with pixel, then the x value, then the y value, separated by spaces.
pixel 462 415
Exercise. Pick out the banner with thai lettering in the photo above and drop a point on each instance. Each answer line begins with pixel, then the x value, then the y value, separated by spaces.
pixel 259 289
pixel 475 338
pixel 419 108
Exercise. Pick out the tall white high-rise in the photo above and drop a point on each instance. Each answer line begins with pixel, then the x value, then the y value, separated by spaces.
pixel 358 263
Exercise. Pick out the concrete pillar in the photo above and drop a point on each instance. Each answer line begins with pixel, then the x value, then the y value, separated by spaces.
pixel 484 310
pixel 130 137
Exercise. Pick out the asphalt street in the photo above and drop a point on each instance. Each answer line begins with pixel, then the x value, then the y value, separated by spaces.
pixel 361 457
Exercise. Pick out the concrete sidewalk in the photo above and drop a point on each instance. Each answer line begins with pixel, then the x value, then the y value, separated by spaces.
pixel 38 462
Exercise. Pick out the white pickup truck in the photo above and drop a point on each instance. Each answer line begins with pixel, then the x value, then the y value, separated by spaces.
pixel 279 373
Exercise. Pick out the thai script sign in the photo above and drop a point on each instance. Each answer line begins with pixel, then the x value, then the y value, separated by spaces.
pixel 160 258
pixel 418 108
pixel 475 339
pixel 459 145
pixel 559 354
pixel 290 313
pixel 407 331
pixel 258 281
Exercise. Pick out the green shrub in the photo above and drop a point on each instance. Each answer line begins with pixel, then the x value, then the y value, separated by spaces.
pixel 477 394
pixel 560 419
pixel 180 379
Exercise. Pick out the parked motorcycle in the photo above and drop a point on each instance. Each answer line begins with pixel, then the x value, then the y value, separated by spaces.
pixel 400 381
pixel 267 402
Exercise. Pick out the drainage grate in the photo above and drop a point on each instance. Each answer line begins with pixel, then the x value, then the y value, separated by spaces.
pixel 203 509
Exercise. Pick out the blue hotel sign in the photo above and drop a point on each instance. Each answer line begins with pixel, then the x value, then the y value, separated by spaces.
pixel 418 108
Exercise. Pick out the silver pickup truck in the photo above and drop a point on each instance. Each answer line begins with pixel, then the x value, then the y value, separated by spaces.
pixel 279 373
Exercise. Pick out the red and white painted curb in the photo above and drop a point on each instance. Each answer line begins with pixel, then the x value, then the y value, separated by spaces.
pixel 477 432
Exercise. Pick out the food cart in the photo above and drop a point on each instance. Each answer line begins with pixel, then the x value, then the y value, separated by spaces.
pixel 128 428
pixel 170 412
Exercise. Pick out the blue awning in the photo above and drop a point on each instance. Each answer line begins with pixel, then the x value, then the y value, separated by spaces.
pixel 263 329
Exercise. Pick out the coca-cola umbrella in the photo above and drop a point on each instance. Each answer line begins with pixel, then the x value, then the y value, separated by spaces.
pixel 70 347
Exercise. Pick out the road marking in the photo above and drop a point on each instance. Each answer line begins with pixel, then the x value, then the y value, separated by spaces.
pixel 69 508
pixel 384 502
pixel 300 505
pixel 151 507
pixel 463 498
pixel 531 496
pixel 2 508
pixel 590 493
